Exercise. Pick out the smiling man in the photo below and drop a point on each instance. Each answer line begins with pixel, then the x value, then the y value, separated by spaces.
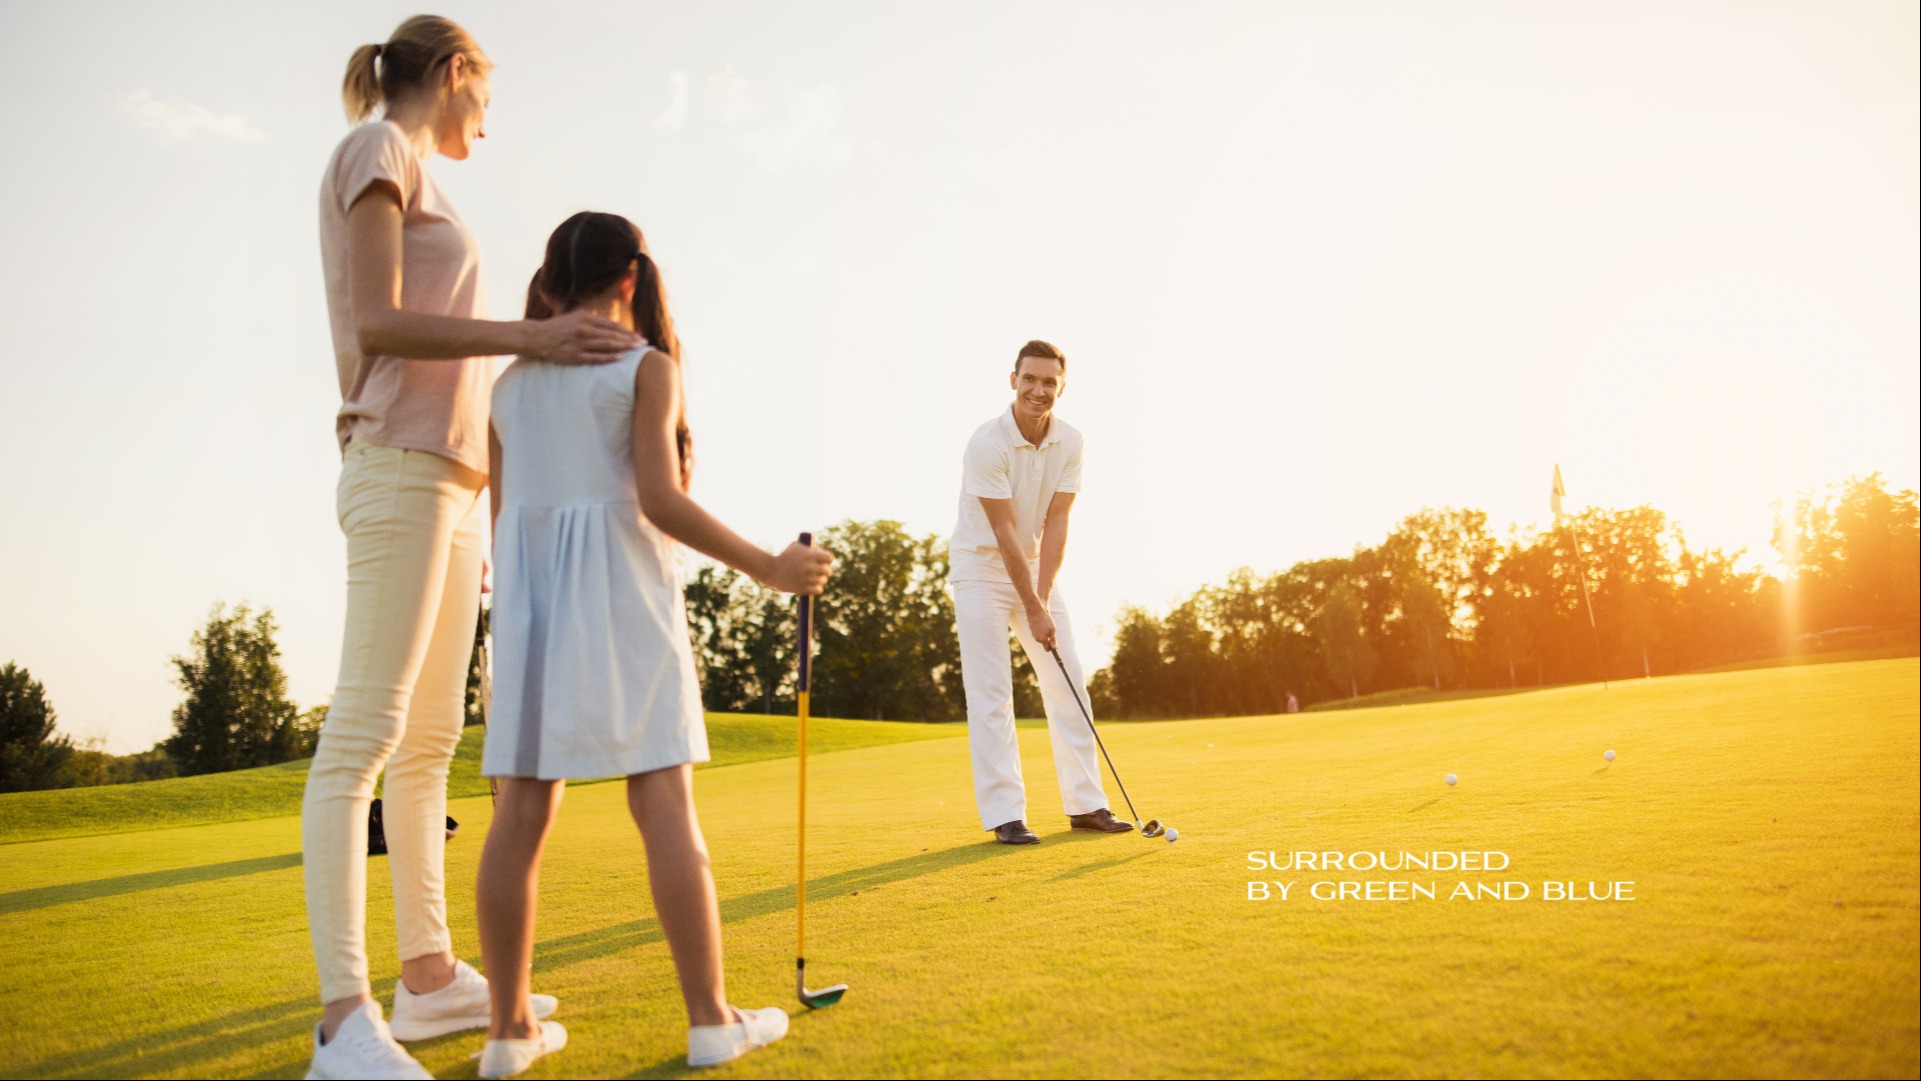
pixel 1018 481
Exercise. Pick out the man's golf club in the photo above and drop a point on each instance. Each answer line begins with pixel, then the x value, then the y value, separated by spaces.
pixel 826 996
pixel 1153 827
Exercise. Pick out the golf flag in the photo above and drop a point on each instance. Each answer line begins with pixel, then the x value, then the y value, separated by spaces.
pixel 1554 498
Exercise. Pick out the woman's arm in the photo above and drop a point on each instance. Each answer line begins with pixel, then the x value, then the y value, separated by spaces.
pixel 798 569
pixel 383 328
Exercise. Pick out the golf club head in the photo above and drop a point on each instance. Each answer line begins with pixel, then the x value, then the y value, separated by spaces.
pixel 1153 828
pixel 826 996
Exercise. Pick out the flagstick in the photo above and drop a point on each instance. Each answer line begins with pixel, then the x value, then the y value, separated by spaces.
pixel 1581 560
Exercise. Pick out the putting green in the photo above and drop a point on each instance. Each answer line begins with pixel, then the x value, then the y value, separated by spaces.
pixel 1767 820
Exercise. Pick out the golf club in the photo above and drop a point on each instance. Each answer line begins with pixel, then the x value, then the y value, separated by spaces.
pixel 486 691
pixel 1153 827
pixel 826 996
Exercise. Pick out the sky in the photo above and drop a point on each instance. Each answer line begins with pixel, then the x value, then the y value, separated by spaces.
pixel 1315 266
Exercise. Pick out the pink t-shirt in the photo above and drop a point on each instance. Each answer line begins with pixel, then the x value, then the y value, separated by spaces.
pixel 438 406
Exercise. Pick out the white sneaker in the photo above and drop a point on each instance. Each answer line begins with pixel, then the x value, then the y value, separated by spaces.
pixel 711 1045
pixel 363 1048
pixel 462 1004
pixel 505 1058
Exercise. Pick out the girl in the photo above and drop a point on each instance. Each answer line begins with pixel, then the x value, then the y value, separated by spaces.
pixel 415 361
pixel 594 673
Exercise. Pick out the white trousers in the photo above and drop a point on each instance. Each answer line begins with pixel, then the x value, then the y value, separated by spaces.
pixel 983 611
pixel 412 521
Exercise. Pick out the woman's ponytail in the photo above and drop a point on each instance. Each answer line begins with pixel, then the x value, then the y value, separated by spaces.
pixel 361 89
pixel 411 58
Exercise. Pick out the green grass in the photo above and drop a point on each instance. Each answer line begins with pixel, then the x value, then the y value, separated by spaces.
pixel 1839 656
pixel 1413 696
pixel 1768 820
pixel 271 791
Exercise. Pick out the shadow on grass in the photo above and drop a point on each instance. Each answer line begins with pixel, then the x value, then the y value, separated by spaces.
pixel 28 900
pixel 1424 806
pixel 179 1048
pixel 589 945
pixel 1088 869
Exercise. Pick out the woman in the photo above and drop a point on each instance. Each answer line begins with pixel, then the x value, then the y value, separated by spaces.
pixel 594 671
pixel 415 360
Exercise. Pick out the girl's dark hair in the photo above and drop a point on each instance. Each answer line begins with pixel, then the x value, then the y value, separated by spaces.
pixel 585 257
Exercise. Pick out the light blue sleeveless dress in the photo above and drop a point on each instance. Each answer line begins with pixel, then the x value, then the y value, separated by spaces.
pixel 593 671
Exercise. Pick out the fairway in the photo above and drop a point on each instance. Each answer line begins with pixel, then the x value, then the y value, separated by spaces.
pixel 1767 820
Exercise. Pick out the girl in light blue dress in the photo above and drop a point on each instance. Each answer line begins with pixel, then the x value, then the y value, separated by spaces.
pixel 593 670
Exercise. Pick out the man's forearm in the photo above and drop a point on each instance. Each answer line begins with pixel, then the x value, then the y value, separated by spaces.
pixel 1053 551
pixel 1016 563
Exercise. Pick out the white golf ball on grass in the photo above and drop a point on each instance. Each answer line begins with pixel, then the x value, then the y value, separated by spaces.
pixel 1451 779
pixel 1609 756
pixel 1173 835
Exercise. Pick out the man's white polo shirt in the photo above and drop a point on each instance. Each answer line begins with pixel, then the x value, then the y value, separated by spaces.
pixel 1001 464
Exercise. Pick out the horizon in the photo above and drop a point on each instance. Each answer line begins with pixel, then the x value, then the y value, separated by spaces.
pixel 1317 268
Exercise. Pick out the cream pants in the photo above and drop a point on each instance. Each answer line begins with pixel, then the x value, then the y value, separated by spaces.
pixel 412 521
pixel 983 611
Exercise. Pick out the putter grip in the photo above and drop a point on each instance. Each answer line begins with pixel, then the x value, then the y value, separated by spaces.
pixel 806 629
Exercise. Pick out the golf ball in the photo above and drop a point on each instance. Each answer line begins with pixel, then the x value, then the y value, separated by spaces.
pixel 1609 756
pixel 1451 779
pixel 1173 835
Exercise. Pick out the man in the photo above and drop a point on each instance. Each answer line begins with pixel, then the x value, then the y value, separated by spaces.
pixel 1018 481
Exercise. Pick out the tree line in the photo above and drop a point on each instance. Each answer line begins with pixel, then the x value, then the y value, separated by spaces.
pixel 234 713
pixel 1443 603
pixel 1440 603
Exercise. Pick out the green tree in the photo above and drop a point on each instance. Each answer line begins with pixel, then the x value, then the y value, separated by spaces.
pixel 1429 626
pixel 1724 613
pixel 887 645
pixel 1506 635
pixel 236 713
pixel 1136 676
pixel 32 754
pixel 744 642
pixel 1349 655
pixel 1853 553
pixel 91 765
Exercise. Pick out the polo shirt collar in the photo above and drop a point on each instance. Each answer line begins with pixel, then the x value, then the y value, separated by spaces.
pixel 1013 429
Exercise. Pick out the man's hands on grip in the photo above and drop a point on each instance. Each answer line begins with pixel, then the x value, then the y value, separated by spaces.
pixel 1041 626
pixel 800 568
pixel 579 338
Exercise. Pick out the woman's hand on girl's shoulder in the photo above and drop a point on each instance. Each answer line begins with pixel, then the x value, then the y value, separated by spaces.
pixel 579 338
pixel 800 568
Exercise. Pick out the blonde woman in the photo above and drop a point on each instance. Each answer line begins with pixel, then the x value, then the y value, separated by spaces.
pixel 415 360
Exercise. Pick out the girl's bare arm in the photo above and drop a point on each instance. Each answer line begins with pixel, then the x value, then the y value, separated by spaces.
pixel 798 569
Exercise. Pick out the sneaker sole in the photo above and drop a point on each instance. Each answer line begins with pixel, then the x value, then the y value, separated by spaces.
pixel 415 1031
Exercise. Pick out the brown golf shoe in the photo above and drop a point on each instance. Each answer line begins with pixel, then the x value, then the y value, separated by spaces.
pixel 1101 821
pixel 1015 833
